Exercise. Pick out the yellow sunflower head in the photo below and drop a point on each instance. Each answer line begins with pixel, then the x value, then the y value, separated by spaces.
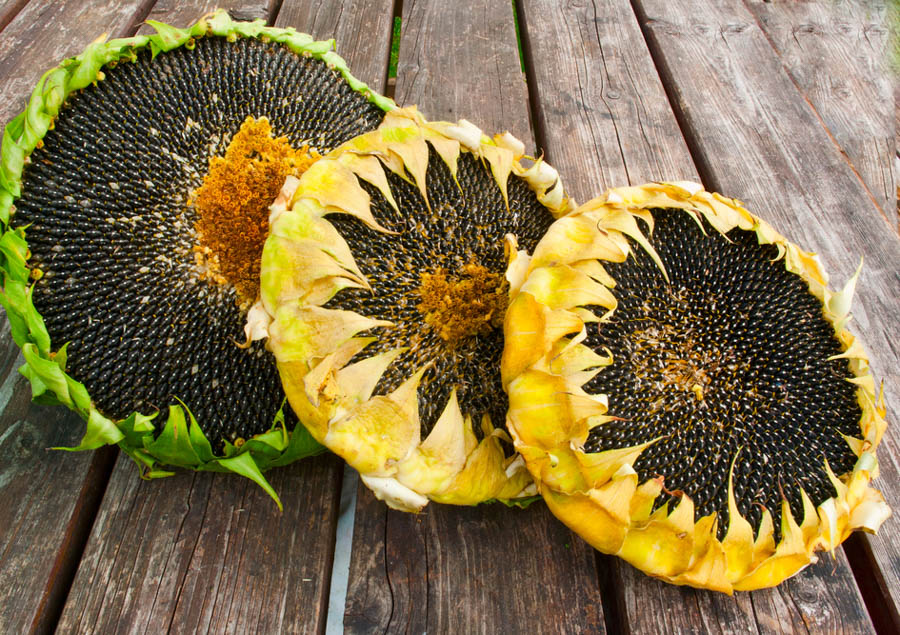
pixel 684 391
pixel 383 290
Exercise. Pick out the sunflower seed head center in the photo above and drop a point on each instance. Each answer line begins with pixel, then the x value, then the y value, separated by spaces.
pixel 462 305
pixel 669 354
pixel 233 205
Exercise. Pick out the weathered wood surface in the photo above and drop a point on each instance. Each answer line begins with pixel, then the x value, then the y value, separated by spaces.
pixel 44 33
pixel 211 552
pixel 461 61
pixel 599 104
pixel 40 493
pixel 485 569
pixel 595 48
pixel 755 137
pixel 361 29
pixel 488 568
pixel 208 553
pixel 822 598
pixel 837 55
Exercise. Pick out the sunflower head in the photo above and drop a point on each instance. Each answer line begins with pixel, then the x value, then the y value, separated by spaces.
pixel 685 393
pixel 384 284
pixel 131 237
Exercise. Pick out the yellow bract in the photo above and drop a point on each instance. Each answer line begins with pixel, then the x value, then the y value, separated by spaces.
pixel 306 262
pixel 598 494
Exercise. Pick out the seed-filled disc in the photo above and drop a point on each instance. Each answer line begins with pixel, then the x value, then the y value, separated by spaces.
pixel 716 421
pixel 386 277
pixel 137 304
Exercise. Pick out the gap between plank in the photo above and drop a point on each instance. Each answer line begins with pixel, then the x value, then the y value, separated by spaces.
pixel 535 113
pixel 609 578
pixel 396 26
pixel 75 539
pixel 11 13
pixel 704 170
pixel 274 9
pixel 871 583
pixel 343 546
pixel 139 17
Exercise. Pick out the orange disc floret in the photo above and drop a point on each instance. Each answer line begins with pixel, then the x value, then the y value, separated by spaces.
pixel 233 204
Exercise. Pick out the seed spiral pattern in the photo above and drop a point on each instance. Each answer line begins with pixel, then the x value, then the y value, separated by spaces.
pixel 727 364
pixel 106 216
pixel 467 224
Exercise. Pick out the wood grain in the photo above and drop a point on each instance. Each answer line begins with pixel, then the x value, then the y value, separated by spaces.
pixel 598 101
pixel 39 489
pixel 461 60
pixel 822 598
pixel 485 569
pixel 836 53
pixel 208 553
pixel 182 14
pixel 467 569
pixel 361 29
pixel 44 33
pixel 755 137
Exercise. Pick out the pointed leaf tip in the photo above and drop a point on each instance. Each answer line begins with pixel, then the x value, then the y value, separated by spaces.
pixel 246 466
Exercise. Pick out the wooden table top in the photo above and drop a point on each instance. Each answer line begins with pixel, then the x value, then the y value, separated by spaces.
pixel 786 106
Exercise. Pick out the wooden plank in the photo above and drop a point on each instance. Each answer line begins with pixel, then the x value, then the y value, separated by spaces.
pixel 44 33
pixel 208 553
pixel 754 136
pixel 836 53
pixel 49 497
pixel 361 29
pixel 462 62
pixel 467 569
pixel 40 489
pixel 578 55
pixel 598 101
pixel 485 569
pixel 822 598
pixel 179 13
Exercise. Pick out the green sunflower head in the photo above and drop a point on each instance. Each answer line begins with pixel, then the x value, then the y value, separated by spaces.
pixel 116 283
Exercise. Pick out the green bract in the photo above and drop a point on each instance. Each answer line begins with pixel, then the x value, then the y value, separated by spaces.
pixel 180 442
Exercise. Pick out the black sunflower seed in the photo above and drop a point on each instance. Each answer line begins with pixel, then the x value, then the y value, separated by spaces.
pixel 727 363
pixel 105 209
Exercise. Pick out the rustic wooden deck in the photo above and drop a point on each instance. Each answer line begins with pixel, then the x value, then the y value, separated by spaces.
pixel 787 106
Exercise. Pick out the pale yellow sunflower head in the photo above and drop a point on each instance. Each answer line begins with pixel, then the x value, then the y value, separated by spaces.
pixel 384 285
pixel 685 393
